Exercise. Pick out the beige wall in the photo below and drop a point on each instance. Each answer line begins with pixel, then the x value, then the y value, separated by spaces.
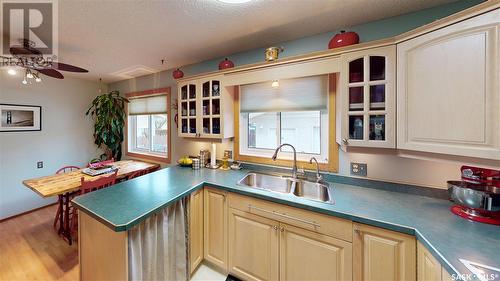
pixel 65 139
pixel 383 164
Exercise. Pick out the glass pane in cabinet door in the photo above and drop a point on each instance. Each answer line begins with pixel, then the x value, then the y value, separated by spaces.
pixel 184 108
pixel 206 107
pixel 215 88
pixel 184 125
pixel 206 125
pixel 184 92
pixel 377 127
pixel 215 126
pixel 356 71
pixel 377 97
pixel 377 68
pixel 206 89
pixel 356 127
pixel 356 98
pixel 215 106
pixel 192 108
pixel 192 125
pixel 192 91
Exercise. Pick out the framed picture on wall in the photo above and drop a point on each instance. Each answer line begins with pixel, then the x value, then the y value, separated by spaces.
pixel 20 118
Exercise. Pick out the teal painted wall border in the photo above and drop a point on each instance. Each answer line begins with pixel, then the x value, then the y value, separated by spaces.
pixel 367 32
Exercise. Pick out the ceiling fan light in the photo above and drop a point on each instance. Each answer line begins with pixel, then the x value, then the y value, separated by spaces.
pixel 24 82
pixel 12 71
pixel 38 79
pixel 29 75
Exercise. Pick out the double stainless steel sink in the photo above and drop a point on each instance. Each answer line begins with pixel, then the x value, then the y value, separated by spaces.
pixel 316 191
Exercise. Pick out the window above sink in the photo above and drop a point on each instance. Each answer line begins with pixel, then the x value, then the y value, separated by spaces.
pixel 297 111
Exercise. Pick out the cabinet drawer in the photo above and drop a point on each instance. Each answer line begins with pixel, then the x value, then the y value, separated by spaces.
pixel 335 227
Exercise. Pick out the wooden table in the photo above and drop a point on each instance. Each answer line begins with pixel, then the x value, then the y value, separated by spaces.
pixel 66 185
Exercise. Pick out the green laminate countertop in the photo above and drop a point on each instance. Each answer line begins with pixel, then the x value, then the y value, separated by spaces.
pixel 447 236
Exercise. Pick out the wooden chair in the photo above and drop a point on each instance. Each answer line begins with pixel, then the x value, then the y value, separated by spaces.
pixel 65 169
pixel 89 186
pixel 100 183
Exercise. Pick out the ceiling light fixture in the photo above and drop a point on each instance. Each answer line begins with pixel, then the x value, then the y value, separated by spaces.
pixel 31 75
pixel 234 1
pixel 11 71
pixel 275 84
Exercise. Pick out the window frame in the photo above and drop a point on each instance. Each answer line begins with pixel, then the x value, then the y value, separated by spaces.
pixel 332 163
pixel 148 154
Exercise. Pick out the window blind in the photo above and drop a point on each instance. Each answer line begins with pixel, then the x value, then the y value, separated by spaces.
pixel 297 94
pixel 148 105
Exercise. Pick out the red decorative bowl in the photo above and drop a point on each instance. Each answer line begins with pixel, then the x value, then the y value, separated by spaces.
pixel 225 64
pixel 177 74
pixel 343 39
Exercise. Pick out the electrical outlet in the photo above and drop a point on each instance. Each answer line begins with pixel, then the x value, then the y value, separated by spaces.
pixel 39 164
pixel 359 169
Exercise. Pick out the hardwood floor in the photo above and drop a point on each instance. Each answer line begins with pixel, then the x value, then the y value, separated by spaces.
pixel 30 249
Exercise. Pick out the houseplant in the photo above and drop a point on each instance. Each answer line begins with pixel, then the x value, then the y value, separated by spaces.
pixel 108 112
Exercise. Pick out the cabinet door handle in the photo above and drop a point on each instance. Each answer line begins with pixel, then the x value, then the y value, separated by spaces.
pixel 275 228
pixel 344 141
pixel 313 223
pixel 282 229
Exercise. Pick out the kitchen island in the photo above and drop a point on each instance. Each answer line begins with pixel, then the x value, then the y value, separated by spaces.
pixel 119 209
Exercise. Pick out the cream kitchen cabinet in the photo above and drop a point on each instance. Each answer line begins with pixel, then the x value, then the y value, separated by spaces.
pixel 448 89
pixel 308 255
pixel 205 108
pixel 428 268
pixel 255 239
pixel 381 254
pixel 265 243
pixel 253 246
pixel 195 230
pixel 367 103
pixel 215 227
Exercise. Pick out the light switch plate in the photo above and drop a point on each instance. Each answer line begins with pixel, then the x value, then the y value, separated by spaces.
pixel 39 164
pixel 359 169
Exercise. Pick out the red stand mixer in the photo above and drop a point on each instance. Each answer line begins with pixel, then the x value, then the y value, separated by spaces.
pixel 477 196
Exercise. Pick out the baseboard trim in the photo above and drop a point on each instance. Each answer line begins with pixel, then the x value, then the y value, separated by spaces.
pixel 27 212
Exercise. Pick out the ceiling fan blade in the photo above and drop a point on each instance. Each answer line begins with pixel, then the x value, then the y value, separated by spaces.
pixel 51 72
pixel 67 67
pixel 22 50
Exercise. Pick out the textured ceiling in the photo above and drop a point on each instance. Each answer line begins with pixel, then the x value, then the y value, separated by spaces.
pixel 111 38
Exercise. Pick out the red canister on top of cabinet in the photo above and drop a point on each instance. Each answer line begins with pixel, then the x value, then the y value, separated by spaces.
pixel 226 63
pixel 343 39
pixel 177 74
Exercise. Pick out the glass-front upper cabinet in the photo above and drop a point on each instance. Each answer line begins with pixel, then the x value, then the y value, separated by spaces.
pixel 367 87
pixel 188 94
pixel 211 110
pixel 204 105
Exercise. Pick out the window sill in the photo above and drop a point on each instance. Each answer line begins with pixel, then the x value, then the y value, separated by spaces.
pixel 148 156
